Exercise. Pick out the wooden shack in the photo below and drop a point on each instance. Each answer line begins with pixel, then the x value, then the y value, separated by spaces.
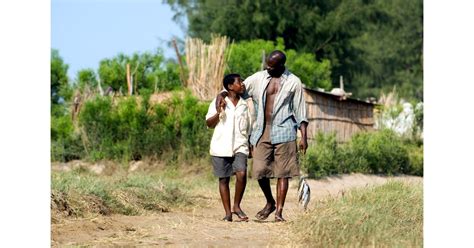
pixel 328 113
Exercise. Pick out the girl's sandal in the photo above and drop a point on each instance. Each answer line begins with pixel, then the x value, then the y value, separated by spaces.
pixel 242 216
pixel 227 218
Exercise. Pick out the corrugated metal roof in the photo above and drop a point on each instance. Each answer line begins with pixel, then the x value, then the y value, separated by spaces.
pixel 338 97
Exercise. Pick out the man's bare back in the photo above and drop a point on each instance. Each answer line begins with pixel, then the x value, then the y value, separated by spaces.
pixel 272 91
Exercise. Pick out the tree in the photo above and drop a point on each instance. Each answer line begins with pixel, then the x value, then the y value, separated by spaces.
pixel 86 77
pixel 393 52
pixel 60 89
pixel 148 71
pixel 374 44
pixel 246 59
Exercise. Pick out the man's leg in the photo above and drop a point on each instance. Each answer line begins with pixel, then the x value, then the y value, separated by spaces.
pixel 225 195
pixel 262 168
pixel 264 184
pixel 282 189
pixel 240 183
pixel 286 167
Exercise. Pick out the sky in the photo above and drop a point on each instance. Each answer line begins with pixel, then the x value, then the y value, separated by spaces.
pixel 87 31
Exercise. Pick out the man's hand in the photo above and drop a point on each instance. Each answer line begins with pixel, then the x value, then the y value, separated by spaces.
pixel 220 100
pixel 304 138
pixel 303 145
pixel 221 106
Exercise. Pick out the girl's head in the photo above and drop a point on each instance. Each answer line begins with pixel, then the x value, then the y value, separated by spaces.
pixel 233 82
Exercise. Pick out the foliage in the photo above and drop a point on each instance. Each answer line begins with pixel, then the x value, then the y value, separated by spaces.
pixel 383 150
pixel 313 73
pixel 86 78
pixel 165 79
pixel 60 89
pixel 392 49
pixel 65 144
pixel 374 44
pixel 324 158
pixel 390 215
pixel 246 56
pixel 147 70
pixel 415 156
pixel 367 152
pixel 133 129
pixel 246 59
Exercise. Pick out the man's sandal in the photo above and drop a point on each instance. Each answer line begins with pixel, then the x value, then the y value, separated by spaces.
pixel 264 213
pixel 279 219
pixel 242 216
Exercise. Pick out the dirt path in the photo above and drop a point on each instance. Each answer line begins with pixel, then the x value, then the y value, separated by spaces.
pixel 201 226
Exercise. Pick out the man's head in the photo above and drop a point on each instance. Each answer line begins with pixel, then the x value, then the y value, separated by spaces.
pixel 233 82
pixel 276 63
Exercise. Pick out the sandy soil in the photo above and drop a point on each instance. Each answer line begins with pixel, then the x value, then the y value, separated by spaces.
pixel 202 226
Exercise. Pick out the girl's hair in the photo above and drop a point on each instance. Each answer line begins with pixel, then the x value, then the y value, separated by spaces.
pixel 229 79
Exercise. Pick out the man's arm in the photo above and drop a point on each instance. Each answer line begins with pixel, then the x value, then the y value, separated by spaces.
pixel 212 122
pixel 213 118
pixel 220 99
pixel 304 137
pixel 300 113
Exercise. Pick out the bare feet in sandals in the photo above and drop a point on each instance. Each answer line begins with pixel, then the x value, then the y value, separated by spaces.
pixel 279 218
pixel 227 218
pixel 265 212
pixel 241 215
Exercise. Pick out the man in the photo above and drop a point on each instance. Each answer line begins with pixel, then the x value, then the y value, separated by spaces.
pixel 281 110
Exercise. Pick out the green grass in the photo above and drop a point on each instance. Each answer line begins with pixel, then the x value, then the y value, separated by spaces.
pixel 386 216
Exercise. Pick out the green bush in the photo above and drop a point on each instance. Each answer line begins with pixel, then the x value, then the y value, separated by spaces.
pixel 65 144
pixel 381 152
pixel 324 158
pixel 131 129
pixel 415 155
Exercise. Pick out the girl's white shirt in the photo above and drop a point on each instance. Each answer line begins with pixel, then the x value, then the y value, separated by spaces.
pixel 231 134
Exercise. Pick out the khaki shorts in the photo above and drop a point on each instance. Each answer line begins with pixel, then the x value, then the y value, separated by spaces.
pixel 274 160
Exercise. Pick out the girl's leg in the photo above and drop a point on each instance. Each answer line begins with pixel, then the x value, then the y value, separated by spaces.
pixel 240 183
pixel 225 194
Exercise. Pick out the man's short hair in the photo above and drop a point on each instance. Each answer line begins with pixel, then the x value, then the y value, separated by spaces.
pixel 279 54
pixel 229 79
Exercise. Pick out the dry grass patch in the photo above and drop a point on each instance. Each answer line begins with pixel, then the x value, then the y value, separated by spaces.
pixel 390 215
pixel 79 193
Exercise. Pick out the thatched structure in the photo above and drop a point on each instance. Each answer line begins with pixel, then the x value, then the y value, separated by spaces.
pixel 328 113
